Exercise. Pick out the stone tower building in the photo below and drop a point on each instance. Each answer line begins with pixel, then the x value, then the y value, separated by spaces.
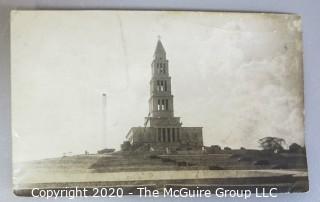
pixel 162 130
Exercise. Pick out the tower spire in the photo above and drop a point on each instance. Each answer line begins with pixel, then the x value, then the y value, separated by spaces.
pixel 159 52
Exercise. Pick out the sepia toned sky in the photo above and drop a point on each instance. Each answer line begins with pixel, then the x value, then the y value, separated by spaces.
pixel 239 76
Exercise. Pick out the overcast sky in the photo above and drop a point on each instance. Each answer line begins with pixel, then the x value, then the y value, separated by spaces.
pixel 239 76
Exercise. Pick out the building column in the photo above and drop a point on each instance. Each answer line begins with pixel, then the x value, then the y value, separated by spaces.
pixel 178 134
pixel 159 135
pixel 173 136
pixel 163 135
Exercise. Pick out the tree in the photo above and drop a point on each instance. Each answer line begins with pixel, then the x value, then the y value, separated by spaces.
pixel 214 149
pixel 295 148
pixel 272 144
pixel 227 148
pixel 126 146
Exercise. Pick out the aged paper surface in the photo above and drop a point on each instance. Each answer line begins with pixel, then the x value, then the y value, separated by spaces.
pixel 105 98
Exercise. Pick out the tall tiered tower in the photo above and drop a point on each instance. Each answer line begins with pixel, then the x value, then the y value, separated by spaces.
pixel 163 131
pixel 161 111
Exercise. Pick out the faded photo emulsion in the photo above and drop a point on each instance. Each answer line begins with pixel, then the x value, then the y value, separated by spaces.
pixel 157 100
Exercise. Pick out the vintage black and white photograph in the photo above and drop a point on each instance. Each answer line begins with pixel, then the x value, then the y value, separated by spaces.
pixel 157 99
